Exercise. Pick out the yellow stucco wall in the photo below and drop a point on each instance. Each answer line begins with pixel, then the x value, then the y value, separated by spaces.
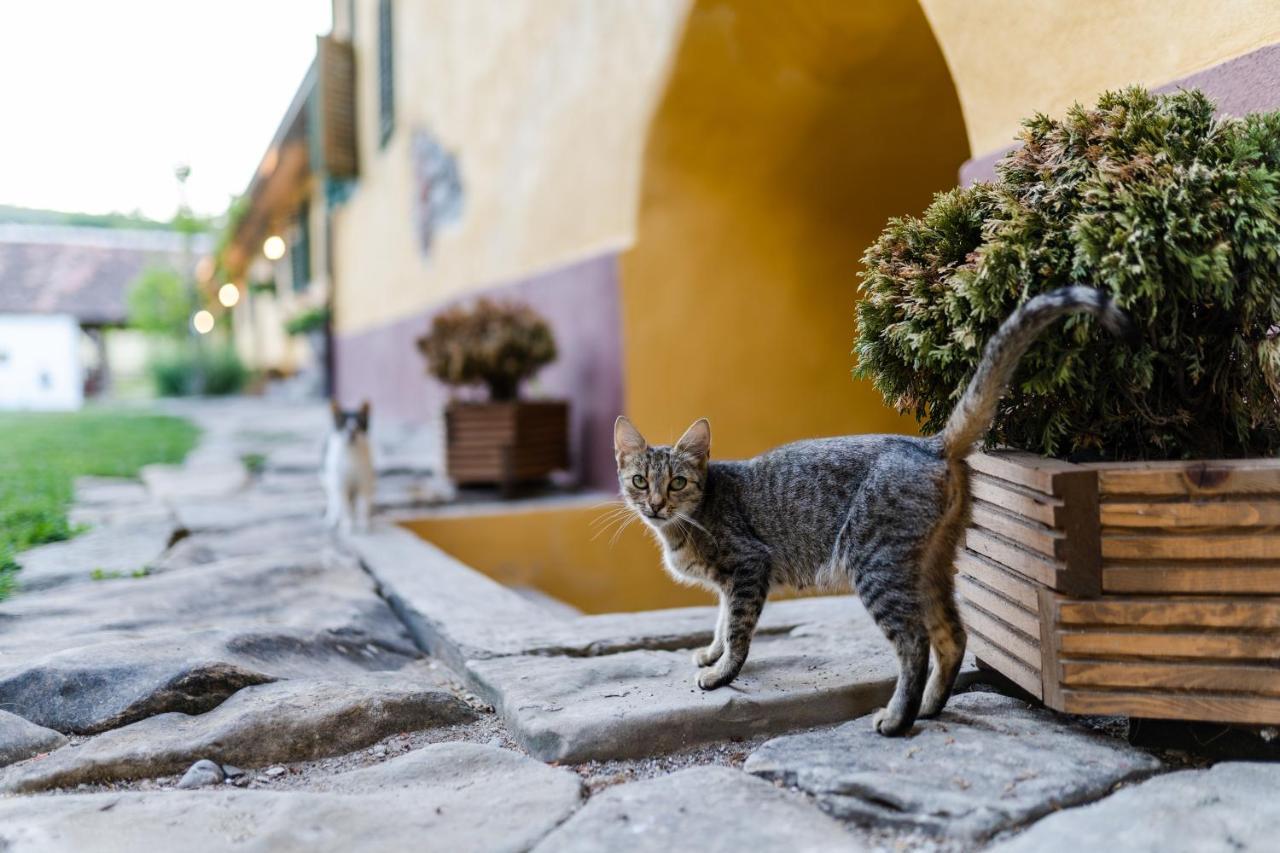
pixel 787 136
pixel 544 103
pixel 567 553
pixel 1012 58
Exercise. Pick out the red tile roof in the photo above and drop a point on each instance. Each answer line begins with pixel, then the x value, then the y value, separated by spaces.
pixel 85 272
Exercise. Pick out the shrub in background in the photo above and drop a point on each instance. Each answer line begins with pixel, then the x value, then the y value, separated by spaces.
pixel 1176 214
pixel 497 344
pixel 308 321
pixel 160 303
pixel 178 372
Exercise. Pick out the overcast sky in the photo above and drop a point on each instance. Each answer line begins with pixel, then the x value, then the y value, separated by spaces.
pixel 99 99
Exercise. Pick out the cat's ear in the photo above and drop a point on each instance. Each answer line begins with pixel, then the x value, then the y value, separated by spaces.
pixel 627 440
pixel 336 412
pixel 363 415
pixel 696 440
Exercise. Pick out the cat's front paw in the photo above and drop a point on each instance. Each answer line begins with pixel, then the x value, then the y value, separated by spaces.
pixel 888 724
pixel 710 679
pixel 708 656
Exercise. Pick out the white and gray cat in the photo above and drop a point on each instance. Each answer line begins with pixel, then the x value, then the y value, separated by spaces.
pixel 882 514
pixel 347 470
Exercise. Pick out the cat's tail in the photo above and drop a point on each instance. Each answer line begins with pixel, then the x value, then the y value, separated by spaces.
pixel 973 415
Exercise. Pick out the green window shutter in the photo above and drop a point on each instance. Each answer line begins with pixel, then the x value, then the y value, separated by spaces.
pixel 300 254
pixel 386 73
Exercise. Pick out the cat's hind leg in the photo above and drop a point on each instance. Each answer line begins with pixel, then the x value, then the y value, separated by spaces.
pixel 882 545
pixel 898 616
pixel 948 638
pixel 941 616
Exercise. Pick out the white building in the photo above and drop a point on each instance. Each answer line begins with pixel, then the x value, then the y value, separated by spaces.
pixel 62 290
pixel 40 364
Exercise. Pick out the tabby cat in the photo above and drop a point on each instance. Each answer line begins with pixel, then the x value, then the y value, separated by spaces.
pixel 880 513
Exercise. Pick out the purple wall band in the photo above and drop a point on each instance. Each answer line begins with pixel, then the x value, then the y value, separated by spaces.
pixel 580 301
pixel 1246 84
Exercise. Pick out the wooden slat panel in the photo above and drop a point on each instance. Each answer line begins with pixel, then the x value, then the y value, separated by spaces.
pixel 975 593
pixel 1025 469
pixel 1026 677
pixel 1012 557
pixel 1144 675
pixel 1261 545
pixel 1169 644
pixel 1219 477
pixel 997 577
pixel 1028 503
pixel 1253 613
pixel 1260 512
pixel 1258 710
pixel 1051 543
pixel 1002 634
pixel 1216 579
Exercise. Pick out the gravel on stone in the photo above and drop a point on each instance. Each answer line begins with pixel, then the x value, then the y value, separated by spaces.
pixel 202 774
pixel 455 797
pixel 709 809
pixel 987 764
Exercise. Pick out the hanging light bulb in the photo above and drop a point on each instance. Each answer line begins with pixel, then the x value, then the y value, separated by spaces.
pixel 202 322
pixel 273 247
pixel 228 295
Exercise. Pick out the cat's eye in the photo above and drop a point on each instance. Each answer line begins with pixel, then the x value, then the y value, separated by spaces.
pixel 678 483
pixel 639 482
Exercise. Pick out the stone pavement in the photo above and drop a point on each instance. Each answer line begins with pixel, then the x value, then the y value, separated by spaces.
pixel 375 693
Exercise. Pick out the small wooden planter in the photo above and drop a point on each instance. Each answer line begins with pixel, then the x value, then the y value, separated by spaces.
pixel 506 443
pixel 1131 589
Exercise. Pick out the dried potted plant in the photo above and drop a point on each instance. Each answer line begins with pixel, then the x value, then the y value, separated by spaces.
pixel 1126 557
pixel 503 440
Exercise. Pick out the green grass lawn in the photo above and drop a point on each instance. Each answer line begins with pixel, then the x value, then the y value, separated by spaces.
pixel 42 454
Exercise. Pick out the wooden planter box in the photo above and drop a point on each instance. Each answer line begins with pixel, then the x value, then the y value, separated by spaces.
pixel 1133 589
pixel 506 443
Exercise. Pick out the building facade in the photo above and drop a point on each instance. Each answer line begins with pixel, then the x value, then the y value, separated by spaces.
pixel 683 187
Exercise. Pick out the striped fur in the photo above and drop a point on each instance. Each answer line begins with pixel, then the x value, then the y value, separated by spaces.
pixel 882 514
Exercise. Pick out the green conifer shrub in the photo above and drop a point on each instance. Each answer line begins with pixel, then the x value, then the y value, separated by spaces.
pixel 1172 211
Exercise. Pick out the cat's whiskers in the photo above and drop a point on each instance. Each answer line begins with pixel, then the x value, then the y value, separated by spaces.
pixel 614 540
pixel 680 516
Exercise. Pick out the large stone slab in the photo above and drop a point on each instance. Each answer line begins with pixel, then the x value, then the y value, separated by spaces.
pixel 454 796
pixel 244 510
pixel 20 739
pixel 110 491
pixel 644 702
pixel 459 614
pixel 89 657
pixel 987 764
pixel 279 537
pixel 219 475
pixel 1229 807
pixel 268 724
pixel 709 809
pixel 119 549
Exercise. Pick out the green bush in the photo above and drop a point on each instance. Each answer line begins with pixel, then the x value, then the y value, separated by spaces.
pixel 305 322
pixel 1176 214
pixel 178 373
pixel 160 303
